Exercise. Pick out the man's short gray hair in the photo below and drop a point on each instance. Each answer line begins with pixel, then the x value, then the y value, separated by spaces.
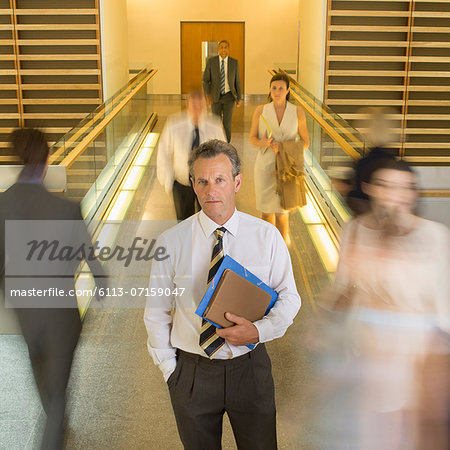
pixel 213 148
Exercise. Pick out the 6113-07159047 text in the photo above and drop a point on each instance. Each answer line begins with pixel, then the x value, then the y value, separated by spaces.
pixel 141 292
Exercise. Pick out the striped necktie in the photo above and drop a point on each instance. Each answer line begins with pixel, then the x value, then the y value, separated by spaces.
pixel 196 140
pixel 209 341
pixel 222 77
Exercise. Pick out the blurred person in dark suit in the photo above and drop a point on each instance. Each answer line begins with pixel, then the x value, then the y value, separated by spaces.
pixel 51 333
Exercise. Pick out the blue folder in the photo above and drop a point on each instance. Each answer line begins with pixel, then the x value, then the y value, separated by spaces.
pixel 229 263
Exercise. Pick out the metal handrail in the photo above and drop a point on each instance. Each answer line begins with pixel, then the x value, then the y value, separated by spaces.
pixel 97 129
pixel 349 149
pixel 329 116
pixel 126 94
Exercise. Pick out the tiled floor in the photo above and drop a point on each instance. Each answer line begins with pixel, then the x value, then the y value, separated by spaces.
pixel 117 397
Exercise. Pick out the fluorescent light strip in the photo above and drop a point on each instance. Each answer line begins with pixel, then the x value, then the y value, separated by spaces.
pixel 120 206
pixel 325 246
pixel 337 204
pixel 324 182
pixel 318 231
pixel 309 213
pixel 84 282
pixel 133 178
pixel 143 156
pixel 108 234
pixel 125 194
pixel 151 140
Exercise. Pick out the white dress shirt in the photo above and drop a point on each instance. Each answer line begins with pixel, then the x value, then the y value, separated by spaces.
pixel 227 86
pixel 254 243
pixel 175 146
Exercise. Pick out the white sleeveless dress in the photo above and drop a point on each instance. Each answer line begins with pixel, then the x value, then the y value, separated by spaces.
pixel 267 199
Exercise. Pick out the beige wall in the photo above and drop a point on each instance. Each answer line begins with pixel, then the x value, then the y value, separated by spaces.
pixel 114 24
pixel 154 36
pixel 312 18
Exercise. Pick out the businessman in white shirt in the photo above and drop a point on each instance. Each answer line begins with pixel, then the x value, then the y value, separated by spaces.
pixel 183 133
pixel 223 375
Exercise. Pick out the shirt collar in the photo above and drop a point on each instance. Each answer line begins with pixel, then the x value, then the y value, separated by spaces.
pixel 201 122
pixel 209 226
pixel 226 60
pixel 32 173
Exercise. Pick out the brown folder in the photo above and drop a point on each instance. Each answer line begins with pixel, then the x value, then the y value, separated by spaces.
pixel 236 295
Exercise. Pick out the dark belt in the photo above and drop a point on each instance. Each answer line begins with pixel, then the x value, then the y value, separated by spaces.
pixel 204 360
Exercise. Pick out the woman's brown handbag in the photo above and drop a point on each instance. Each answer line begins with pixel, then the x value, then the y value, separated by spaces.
pixel 289 173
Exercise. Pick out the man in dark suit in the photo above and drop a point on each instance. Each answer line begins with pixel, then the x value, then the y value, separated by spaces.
pixel 221 82
pixel 51 333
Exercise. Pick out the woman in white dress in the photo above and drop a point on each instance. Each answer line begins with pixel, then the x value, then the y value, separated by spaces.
pixel 275 122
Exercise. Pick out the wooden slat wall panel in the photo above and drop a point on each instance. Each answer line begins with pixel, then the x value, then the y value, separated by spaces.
pixel 50 66
pixel 9 91
pixel 429 69
pixel 397 54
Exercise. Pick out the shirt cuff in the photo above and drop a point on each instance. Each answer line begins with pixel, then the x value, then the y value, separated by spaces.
pixel 167 367
pixel 265 330
pixel 169 185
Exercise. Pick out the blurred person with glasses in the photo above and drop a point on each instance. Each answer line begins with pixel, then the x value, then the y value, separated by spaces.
pixel 392 299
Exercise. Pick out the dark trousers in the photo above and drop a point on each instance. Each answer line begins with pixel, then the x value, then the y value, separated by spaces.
pixel 51 336
pixel 224 109
pixel 202 390
pixel 184 199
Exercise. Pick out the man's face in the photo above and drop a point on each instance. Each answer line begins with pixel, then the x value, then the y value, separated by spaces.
pixel 215 187
pixel 196 107
pixel 223 50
